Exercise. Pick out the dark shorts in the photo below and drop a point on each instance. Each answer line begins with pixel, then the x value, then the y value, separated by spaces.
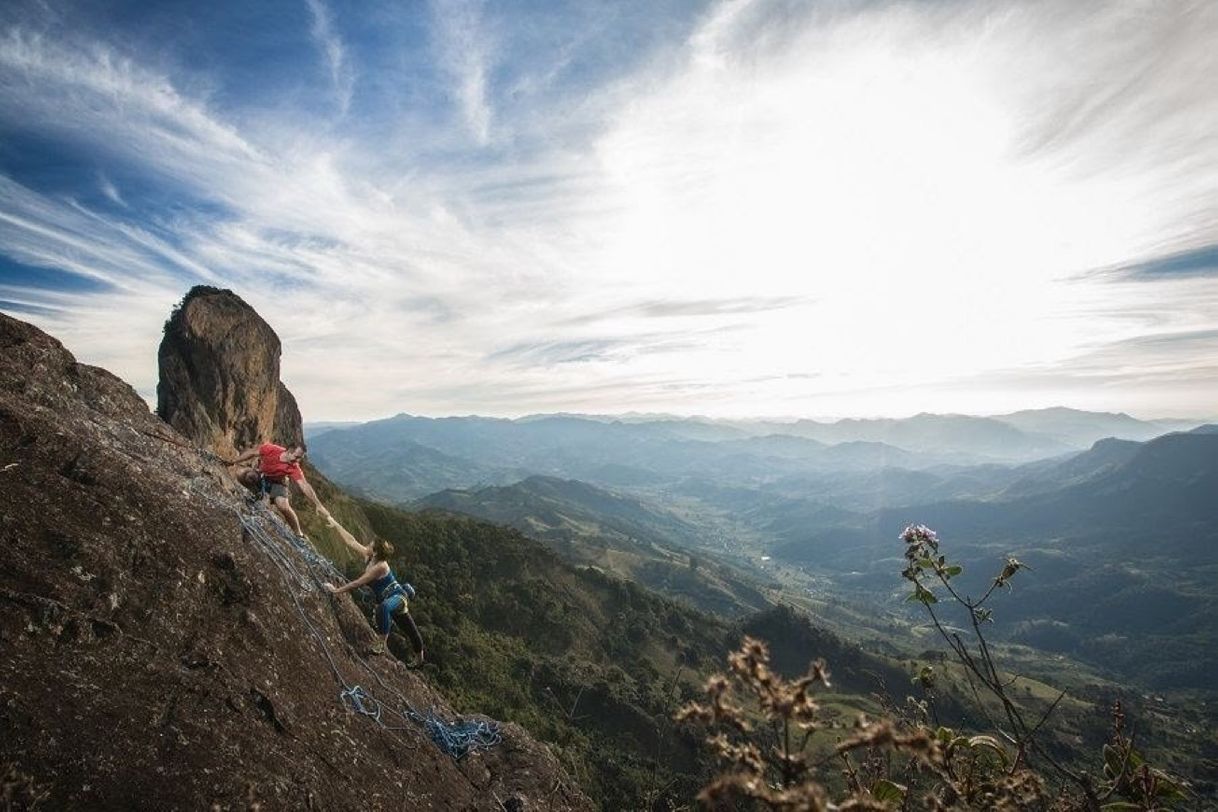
pixel 275 489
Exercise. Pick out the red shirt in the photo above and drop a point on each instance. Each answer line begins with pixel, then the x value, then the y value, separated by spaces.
pixel 271 465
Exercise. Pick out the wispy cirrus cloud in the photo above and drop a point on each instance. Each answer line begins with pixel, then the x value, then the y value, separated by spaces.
pixel 465 53
pixel 1158 374
pixel 847 207
pixel 558 352
pixel 718 307
pixel 110 190
pixel 330 44
pixel 61 86
pixel 1192 262
pixel 693 308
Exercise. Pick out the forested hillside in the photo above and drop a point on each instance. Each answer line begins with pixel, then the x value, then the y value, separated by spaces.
pixel 619 534
pixel 592 663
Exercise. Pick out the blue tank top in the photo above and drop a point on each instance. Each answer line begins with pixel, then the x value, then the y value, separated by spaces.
pixel 383 584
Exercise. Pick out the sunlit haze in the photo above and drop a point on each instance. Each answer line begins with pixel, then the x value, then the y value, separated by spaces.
pixel 727 209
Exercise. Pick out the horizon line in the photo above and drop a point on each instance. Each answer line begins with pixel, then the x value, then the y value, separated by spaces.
pixel 784 419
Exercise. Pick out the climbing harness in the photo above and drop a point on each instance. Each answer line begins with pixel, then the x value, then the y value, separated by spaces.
pixel 383 591
pixel 284 549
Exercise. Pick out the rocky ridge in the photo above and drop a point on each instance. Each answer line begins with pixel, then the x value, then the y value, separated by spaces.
pixel 154 656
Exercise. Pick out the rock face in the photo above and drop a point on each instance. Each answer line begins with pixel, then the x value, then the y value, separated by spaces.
pixel 157 655
pixel 219 365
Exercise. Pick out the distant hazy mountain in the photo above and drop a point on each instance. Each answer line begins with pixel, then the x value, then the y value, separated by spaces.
pixel 1123 498
pixel 1123 542
pixel 388 456
pixel 1051 475
pixel 1121 533
pixel 859 465
pixel 1081 429
pixel 399 471
pixel 1023 435
pixel 963 435
pixel 693 429
pixel 311 430
pixel 573 445
pixel 1162 492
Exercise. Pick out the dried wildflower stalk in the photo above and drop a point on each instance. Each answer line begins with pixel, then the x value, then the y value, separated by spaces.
pixel 767 765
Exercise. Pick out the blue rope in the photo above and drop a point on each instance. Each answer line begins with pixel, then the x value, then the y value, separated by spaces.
pixel 458 739
pixel 360 702
pixel 302 547
pixel 462 737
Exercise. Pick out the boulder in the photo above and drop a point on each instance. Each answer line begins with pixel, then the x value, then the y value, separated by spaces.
pixel 219 375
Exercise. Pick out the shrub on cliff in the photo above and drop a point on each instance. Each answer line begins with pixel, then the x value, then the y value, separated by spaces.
pixel 905 761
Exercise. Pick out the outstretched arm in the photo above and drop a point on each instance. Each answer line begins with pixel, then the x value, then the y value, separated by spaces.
pixel 370 575
pixel 246 456
pixel 350 540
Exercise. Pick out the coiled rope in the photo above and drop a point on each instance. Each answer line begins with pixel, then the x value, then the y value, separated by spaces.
pixel 455 738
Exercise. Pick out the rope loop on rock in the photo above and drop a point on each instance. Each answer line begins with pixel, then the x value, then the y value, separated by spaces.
pixel 284 549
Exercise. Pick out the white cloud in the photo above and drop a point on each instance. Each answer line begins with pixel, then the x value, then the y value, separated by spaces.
pixel 59 81
pixel 465 51
pixel 879 162
pixel 110 190
pixel 794 211
pixel 333 51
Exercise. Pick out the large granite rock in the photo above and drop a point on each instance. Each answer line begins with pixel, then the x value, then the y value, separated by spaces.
pixel 219 384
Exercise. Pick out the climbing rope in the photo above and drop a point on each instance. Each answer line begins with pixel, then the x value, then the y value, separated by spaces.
pixel 360 702
pixel 458 739
pixel 281 547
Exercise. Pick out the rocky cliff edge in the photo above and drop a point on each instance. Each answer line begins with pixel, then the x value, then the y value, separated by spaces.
pixel 155 655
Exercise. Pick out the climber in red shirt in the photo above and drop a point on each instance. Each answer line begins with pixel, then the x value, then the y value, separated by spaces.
pixel 277 466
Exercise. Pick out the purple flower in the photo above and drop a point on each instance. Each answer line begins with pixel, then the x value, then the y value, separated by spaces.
pixel 919 534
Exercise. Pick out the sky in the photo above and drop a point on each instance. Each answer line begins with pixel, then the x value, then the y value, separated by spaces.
pixel 752 208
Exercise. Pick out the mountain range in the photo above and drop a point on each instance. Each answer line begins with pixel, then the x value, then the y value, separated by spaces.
pixel 1123 524
pixel 1122 542
pixel 407 457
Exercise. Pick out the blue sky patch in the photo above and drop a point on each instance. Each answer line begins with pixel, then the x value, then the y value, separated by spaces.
pixel 1193 263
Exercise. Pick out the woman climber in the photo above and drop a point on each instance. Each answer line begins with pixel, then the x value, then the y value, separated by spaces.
pixel 391 595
